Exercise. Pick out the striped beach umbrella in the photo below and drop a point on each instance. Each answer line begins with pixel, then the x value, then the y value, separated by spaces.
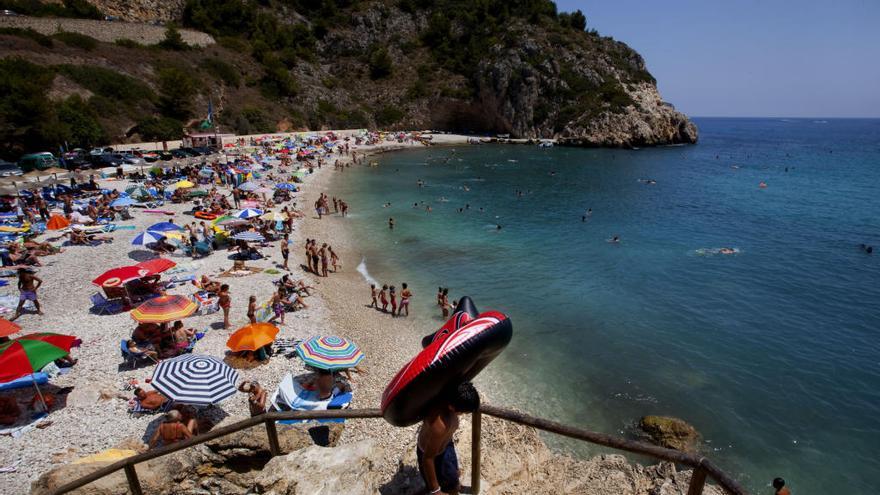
pixel 330 353
pixel 251 337
pixel 194 379
pixel 249 213
pixel 163 309
pixel 249 237
pixel 145 238
pixel 286 186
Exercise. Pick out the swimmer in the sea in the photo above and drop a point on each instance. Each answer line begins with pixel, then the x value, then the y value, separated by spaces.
pixel 762 185
pixel 726 250
pixel 498 227
pixel 614 240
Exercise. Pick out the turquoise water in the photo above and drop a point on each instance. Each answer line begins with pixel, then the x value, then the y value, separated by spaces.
pixel 772 352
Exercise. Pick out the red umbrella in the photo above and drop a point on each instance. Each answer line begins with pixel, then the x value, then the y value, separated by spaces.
pixel 121 275
pixel 157 265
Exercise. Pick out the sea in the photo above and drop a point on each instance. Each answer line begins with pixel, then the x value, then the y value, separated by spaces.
pixel 771 350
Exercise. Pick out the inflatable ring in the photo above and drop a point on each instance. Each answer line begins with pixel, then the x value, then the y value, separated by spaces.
pixel 205 215
pixel 456 353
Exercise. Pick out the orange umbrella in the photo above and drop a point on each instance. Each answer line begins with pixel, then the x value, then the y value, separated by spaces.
pixel 252 337
pixel 7 328
pixel 57 222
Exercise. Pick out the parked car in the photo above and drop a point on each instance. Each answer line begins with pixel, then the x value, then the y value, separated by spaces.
pixel 179 154
pixel 108 160
pixel 204 150
pixel 192 151
pixel 37 161
pixel 9 169
pixel 150 156
pixel 131 158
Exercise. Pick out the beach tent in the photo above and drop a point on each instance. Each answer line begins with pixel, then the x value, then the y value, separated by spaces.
pixel 57 222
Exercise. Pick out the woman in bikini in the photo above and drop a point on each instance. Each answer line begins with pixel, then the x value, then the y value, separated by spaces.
pixel 393 295
pixel 405 294
pixel 225 304
pixel 252 309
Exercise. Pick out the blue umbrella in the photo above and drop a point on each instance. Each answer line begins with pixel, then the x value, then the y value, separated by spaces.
pixel 249 213
pixel 164 227
pixel 249 237
pixel 285 186
pixel 122 202
pixel 145 238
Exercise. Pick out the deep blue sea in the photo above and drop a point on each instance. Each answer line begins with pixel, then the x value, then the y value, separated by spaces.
pixel 771 352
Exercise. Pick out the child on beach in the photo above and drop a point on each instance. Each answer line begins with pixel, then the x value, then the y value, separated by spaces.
pixel 252 309
pixel 444 303
pixel 225 303
pixel 373 294
pixel 405 294
pixel 383 298
pixel 334 259
pixel 393 301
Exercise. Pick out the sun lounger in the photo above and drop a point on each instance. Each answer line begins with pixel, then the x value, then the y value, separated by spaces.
pixel 291 396
pixel 132 358
pixel 101 305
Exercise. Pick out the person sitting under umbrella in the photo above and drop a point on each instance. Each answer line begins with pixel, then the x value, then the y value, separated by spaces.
pixel 171 430
pixel 145 286
pixel 162 246
pixel 326 384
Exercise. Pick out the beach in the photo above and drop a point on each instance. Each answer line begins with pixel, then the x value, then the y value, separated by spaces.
pixel 93 415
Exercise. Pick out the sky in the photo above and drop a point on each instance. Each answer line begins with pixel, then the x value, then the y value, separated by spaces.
pixel 749 58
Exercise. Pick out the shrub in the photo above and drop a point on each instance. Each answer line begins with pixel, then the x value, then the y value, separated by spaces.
pixel 23 105
pixel 79 123
pixel 76 40
pixel 173 40
pixel 578 20
pixel 160 129
pixel 127 43
pixel 108 83
pixel 177 87
pixel 221 70
pixel 380 64
pixel 388 115
pixel 41 39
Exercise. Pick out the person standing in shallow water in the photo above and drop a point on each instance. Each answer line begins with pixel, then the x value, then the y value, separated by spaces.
pixel 780 488
pixel 391 224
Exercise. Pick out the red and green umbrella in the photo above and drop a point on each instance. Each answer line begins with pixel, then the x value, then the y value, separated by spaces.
pixel 29 353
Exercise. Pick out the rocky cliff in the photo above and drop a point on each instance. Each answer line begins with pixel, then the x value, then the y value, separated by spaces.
pixel 496 67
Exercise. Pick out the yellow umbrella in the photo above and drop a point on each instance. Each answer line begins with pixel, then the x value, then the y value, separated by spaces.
pixel 184 184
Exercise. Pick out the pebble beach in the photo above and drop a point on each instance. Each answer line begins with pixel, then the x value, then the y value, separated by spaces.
pixel 91 411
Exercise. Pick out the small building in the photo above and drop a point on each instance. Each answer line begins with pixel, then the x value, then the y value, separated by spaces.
pixel 206 140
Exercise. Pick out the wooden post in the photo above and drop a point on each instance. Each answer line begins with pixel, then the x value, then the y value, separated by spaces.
pixel 133 484
pixel 476 436
pixel 698 480
pixel 272 432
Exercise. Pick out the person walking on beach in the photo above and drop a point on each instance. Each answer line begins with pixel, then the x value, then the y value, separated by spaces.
pixel 392 294
pixel 373 294
pixel 405 295
pixel 252 309
pixel 334 259
pixel 236 198
pixel 309 254
pixel 285 251
pixel 435 449
pixel 325 259
pixel 315 257
pixel 28 283
pixel 278 306
pixel 383 298
pixel 225 304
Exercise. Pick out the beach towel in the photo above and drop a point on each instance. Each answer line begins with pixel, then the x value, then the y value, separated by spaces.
pixel 285 346
pixel 291 396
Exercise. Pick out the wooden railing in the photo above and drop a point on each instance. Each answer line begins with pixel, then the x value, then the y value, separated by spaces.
pixel 702 467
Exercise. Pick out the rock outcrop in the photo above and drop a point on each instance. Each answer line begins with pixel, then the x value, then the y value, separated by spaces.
pixel 345 470
pixel 142 10
pixel 669 432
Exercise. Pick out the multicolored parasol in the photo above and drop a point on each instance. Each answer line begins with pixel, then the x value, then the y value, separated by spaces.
pixel 163 309
pixel 330 353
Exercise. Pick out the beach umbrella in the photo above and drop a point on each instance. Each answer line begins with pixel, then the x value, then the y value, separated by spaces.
pixel 252 337
pixel 249 186
pixel 145 238
pixel 123 201
pixel 184 184
pixel 120 276
pixel 249 213
pixel 249 237
pixel 330 353
pixel 8 328
pixel 57 222
pixel 157 265
pixel 275 216
pixel 163 309
pixel 29 353
pixel 286 186
pixel 164 227
pixel 194 379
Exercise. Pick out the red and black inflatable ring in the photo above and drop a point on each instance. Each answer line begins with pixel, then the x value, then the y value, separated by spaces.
pixel 204 215
pixel 456 353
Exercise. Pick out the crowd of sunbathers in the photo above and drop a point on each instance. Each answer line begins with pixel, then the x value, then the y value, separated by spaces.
pixel 162 341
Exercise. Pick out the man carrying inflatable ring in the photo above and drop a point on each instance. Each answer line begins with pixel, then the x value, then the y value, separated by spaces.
pixel 435 388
